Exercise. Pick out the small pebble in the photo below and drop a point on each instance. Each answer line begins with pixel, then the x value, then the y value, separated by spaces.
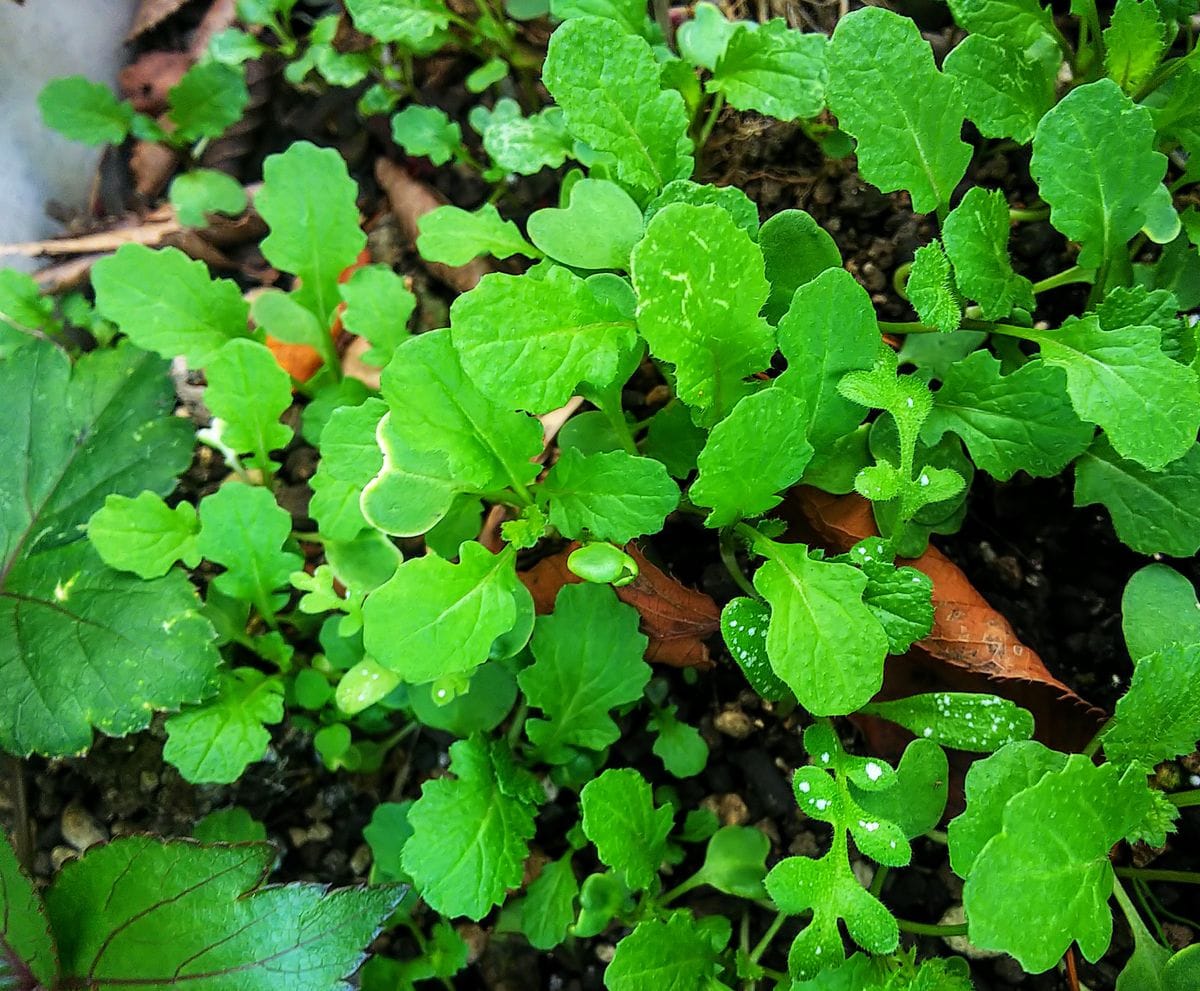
pixel 320 832
pixel 148 781
pixel 605 952
pixel 476 939
pixel 955 916
pixel 297 835
pixel 734 723
pixel 360 860
pixel 79 829
pixel 732 810
pixel 60 855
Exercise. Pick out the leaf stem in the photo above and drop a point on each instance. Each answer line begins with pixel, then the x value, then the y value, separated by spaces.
pixel 906 327
pixel 927 929
pixel 729 559
pixel 1149 874
pixel 682 888
pixel 1067 277
pixel 706 129
pixel 1027 214
pixel 900 280
pixel 1093 746
pixel 1184 799
pixel 772 931
pixel 881 873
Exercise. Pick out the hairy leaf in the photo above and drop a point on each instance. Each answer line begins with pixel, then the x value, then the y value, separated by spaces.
pixel 665 955
pixel 932 290
pixel 976 238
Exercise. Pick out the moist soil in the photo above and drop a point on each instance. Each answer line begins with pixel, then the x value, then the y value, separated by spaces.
pixel 1054 571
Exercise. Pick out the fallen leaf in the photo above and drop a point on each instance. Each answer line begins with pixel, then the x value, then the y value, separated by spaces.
pixel 676 618
pixel 146 81
pixel 153 165
pixel 151 13
pixel 221 14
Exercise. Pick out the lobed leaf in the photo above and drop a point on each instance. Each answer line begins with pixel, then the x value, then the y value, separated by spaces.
pixel 248 392
pixel 773 69
pixel 144 535
pixel 629 830
pixel 976 239
pixel 669 954
pixel 454 236
pixel 1005 90
pixel 610 496
pixel 1157 719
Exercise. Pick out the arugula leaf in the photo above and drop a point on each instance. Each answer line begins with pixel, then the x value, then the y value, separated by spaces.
pixel 248 391
pixel 1158 610
pixel 427 132
pixel 823 641
pixel 976 239
pixel 773 69
pixel 673 439
pixel 1139 306
pixel 700 284
pixel 85 111
pixel 106 907
pixel 629 831
pixel 144 535
pixel 757 451
pixel 378 307
pixel 1019 23
pixel 629 14
pixel 1134 43
pixel 25 938
pixel 166 303
pixel 740 207
pixel 1017 422
pixel 214 742
pixel 679 746
pixel 962 721
pixel 609 86
pixel 665 955
pixel 80 641
pixel 409 22
pixel 796 250
pixel 454 236
pixel 350 459
pixel 1157 719
pixel 471 834
pixel 1095 164
pixel 702 40
pixel 1005 91
pixel 547 911
pixel 886 91
pixel 597 230
pixel 613 496
pixel 524 145
pixel 529 343
pixel 433 619
pixel 308 201
pixel 900 598
pixel 1147 404
pixel 932 291
pixel 744 624
pixel 202 191
pixel 208 99
pixel 587 661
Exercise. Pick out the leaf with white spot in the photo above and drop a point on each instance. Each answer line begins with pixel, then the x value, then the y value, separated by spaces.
pixel 959 720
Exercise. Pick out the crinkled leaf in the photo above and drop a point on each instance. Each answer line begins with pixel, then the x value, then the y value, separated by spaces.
pixel 378 306
pixel 1139 306
pixel 1157 719
pixel 1005 91
pixel 202 191
pixel 1134 43
pixel 773 69
pixel 144 535
pixel 454 236
pixel 976 238
pixel 700 285
pixel 744 624
pixel 166 303
pixel 613 496
pixel 900 598
pixel 408 22
pixel 932 290
pixel 428 132
pixel 960 720
pixel 665 955
pixel 1159 609
pixel 249 392
pixel 630 832
pixel 85 111
pixel 520 144
pixel 597 230
pixel 215 741
pixel 906 115
pixel 740 207
pixel 1019 23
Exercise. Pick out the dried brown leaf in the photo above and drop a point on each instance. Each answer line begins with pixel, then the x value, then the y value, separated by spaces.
pixel 151 13
pixel 146 81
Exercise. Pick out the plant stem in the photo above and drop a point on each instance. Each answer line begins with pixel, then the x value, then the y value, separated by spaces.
pixel 1149 874
pixel 714 111
pixel 1183 799
pixel 881 873
pixel 927 929
pixel 906 327
pixel 938 836
pixel 616 417
pixel 1020 214
pixel 1067 277
pixel 772 931
pixel 900 280
pixel 1094 743
pixel 682 888
pixel 517 724
pixel 729 559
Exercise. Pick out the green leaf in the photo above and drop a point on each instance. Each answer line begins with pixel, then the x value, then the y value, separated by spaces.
pixel 1142 307
pixel 1157 719
pixel 824 642
pixel 1147 404
pixel 757 451
pixel 744 624
pixel 629 14
pixel 665 955
pixel 917 798
pixel 144 535
pixel 308 202
pixel 609 86
pixel 900 598
pixel 1153 512
pixel 427 132
pixel 462 522
pixel 547 911
pixel 524 145
pixel 471 834
pixel 906 116
pixel 700 284
pixel 679 746
pixel 82 645
pixel 828 331
pixel 282 317
pixel 1134 43
pixel 1005 91
pixel 22 308
pixel 630 832
pixel 166 303
pixel 243 528
pixel 248 391
pixel 1017 422
pixel 350 459
pixel 85 111
pixel 433 619
pixel 1018 23
pixel 1053 846
pixel 1159 609
pixel 702 39
pixel 386 834
pixel 489 73
pixel 587 661
pixel 613 496
pixel 1095 164
pixel 530 342
pixel 226 927
pixel 735 861
pixel 932 290
pixel 378 307
pixel 453 236
pixel 597 230
pixel 214 742
pixel 739 206
pixel 25 939
pixel 796 249
pixel 409 22
pixel 773 69
pixel 208 99
pixel 976 238
pixel 959 720
pixel 202 191
pixel 671 438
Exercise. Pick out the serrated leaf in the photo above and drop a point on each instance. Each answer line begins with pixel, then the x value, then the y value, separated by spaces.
pixel 202 191
pixel 587 661
pixel 1017 422
pixel 932 291
pixel 249 392
pixel 454 236
pixel 1153 512
pixel 828 331
pixel 664 955
pixel 629 831
pixel 378 307
pixel 700 285
pixel 144 535
pixel 1147 404
pixel 28 949
pixel 1019 23
pixel 773 69
pixel 744 624
pixel 1053 844
pixel 1004 90
pixel 886 91
pixel 739 206
pixel 753 454
pixel 1158 609
pixel 1134 43
pixel 796 250
pixel 613 496
pixel 597 230
pixel 529 342
pixel 308 201
pixel 427 132
pixel 976 239
pixel 900 598
pixel 214 742
pixel 433 619
pixel 524 145
pixel 409 22
pixel 1095 164
pixel 609 86
pixel 1157 719
pixel 823 641
pixel 83 645
pixel 108 906
pixel 166 303
pixel 85 111
pixel 470 837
